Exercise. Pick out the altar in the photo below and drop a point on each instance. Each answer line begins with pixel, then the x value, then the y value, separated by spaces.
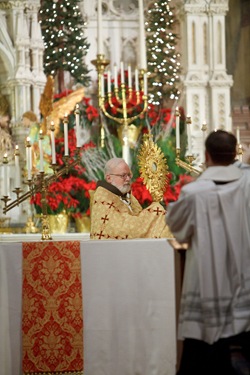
pixel 129 309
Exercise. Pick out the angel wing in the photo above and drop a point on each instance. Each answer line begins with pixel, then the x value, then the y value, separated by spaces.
pixel 65 106
pixel 46 101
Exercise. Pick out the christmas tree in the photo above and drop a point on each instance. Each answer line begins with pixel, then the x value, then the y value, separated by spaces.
pixel 163 60
pixel 62 27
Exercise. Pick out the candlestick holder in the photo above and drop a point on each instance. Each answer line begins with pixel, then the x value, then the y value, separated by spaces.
pixel 187 165
pixel 119 99
pixel 100 63
pixel 40 183
pixel 240 151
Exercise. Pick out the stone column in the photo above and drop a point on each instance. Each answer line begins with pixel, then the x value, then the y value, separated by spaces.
pixel 207 84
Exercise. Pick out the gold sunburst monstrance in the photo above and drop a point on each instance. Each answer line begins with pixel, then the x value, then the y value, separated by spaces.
pixel 153 168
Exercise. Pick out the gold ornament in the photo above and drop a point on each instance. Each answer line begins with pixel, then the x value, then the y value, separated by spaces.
pixel 153 168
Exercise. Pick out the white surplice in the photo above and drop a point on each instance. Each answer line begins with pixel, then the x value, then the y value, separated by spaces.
pixel 214 218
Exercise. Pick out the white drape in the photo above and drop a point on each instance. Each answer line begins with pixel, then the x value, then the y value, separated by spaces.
pixel 129 307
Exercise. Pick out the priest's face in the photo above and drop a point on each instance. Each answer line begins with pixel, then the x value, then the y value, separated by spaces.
pixel 120 176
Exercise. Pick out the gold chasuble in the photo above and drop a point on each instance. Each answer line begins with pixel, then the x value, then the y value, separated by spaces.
pixel 52 319
pixel 114 216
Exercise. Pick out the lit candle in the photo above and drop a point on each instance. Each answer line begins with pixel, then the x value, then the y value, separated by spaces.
pixel 126 149
pixel 177 128
pixel 28 158
pixel 77 115
pixel 109 81
pixel 66 135
pixel 143 60
pixel 17 168
pixel 102 85
pixel 115 76
pixel 53 145
pixel 5 176
pixel 188 123
pixel 136 80
pixel 204 136
pixel 99 28
pixel 238 135
pixel 122 72
pixel 41 169
pixel 145 84
pixel 204 131
pixel 129 76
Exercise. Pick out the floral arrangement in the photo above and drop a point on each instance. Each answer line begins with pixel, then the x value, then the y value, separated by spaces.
pixel 71 193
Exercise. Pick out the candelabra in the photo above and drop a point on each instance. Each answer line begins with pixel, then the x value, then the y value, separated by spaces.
pixel 119 99
pixel 40 183
pixel 187 165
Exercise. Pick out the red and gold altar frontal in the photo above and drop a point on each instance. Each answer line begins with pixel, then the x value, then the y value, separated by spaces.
pixel 52 311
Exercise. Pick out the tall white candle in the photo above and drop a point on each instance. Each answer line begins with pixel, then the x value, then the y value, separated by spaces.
pixel 99 28
pixel 115 76
pixel 126 151
pixel 53 145
pixel 177 127
pixel 102 86
pixel 41 169
pixel 109 81
pixel 17 169
pixel 238 135
pixel 145 84
pixel 204 136
pixel 28 158
pixel 188 123
pixel 204 132
pixel 129 76
pixel 136 80
pixel 30 163
pixel 5 176
pixel 122 72
pixel 143 58
pixel 66 135
pixel 77 115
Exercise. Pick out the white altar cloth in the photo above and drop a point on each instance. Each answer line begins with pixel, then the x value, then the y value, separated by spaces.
pixel 129 307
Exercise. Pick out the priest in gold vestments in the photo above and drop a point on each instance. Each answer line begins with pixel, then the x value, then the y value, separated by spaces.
pixel 116 213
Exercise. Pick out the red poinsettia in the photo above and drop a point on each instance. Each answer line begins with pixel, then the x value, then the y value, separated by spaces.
pixel 70 194
pixel 171 193
pixel 141 193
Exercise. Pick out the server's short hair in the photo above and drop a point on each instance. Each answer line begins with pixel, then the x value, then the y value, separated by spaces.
pixel 221 146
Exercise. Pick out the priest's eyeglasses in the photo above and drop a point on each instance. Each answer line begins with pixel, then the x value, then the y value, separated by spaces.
pixel 123 176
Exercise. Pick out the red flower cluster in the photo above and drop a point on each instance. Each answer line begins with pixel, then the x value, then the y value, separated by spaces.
pixel 70 194
pixel 140 192
pixel 156 115
pixel 171 193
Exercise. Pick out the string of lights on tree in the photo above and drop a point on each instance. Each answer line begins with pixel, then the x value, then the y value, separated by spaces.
pixel 62 27
pixel 163 60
